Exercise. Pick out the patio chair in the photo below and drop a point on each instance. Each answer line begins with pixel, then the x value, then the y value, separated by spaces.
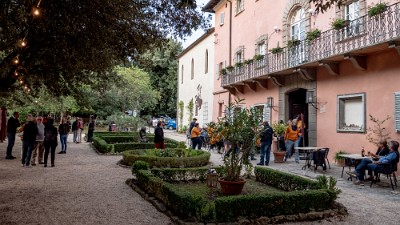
pixel 326 156
pixel 319 158
pixel 389 170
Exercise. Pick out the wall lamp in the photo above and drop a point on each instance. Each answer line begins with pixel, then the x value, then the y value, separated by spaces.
pixel 311 100
pixel 312 12
pixel 270 104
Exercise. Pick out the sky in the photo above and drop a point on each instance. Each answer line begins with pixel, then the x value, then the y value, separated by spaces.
pixel 196 34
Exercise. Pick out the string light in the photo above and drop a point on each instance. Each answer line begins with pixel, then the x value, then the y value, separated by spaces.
pixel 16 60
pixel 35 11
pixel 16 74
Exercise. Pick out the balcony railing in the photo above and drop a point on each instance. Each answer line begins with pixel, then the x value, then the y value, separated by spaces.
pixel 360 33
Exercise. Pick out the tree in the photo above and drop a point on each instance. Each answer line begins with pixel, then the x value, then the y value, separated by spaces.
pixel 323 5
pixel 161 64
pixel 62 44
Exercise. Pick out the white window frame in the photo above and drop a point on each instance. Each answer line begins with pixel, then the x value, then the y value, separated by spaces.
pixel 352 13
pixel 356 100
pixel 239 6
pixel 222 18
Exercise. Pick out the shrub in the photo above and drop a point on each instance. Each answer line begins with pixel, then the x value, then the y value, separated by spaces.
pixel 121 147
pixel 181 174
pixel 293 43
pixel 377 9
pixel 276 50
pixel 339 23
pixel 311 35
pixel 101 145
pixel 139 165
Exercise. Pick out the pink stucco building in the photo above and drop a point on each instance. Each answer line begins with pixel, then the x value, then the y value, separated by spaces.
pixel 286 54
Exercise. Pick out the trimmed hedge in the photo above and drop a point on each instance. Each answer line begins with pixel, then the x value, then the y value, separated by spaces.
pixel 180 174
pixel 282 180
pixel 101 145
pixel 198 158
pixel 192 206
pixel 121 147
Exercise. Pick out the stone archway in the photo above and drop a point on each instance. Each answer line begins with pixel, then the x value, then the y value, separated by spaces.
pixel 290 6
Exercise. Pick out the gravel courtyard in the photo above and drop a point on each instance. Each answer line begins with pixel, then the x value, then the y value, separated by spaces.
pixel 87 188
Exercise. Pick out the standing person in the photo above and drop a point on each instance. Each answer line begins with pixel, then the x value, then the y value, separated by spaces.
pixel 38 150
pixel 92 124
pixel 12 125
pixel 75 130
pixel 63 129
pixel 266 136
pixel 3 124
pixel 159 136
pixel 300 127
pixel 195 136
pixel 28 140
pixel 50 141
pixel 192 125
pixel 79 130
pixel 291 136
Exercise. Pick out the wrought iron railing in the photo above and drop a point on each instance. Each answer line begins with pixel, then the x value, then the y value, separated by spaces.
pixel 360 33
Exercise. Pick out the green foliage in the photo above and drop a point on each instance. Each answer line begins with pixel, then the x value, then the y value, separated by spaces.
pixel 239 127
pixel 324 5
pixel 329 184
pixel 181 174
pixel 189 158
pixel 121 147
pixel 248 61
pixel 139 165
pixel 101 145
pixel 276 50
pixel 377 9
pixel 224 71
pixel 258 57
pixel 338 155
pixel 124 121
pixel 70 44
pixel 311 35
pixel 292 43
pixel 279 128
pixel 230 68
pixel 339 23
pixel 190 108
pixel 181 107
pixel 238 64
pixel 282 180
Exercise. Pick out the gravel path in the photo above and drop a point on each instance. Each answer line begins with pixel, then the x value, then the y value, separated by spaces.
pixel 82 188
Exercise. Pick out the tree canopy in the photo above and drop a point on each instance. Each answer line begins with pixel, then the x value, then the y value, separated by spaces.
pixel 63 43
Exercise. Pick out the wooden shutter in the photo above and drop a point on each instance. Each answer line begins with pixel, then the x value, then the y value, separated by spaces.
pixel 397 111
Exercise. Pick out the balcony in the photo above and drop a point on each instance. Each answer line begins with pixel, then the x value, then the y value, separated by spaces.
pixel 359 38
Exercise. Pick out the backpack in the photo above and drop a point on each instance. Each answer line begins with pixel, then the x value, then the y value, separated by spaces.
pixel 48 135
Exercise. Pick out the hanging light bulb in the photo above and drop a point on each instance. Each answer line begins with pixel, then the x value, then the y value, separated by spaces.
pixel 35 11
pixel 16 74
pixel 16 60
pixel 21 81
pixel 23 43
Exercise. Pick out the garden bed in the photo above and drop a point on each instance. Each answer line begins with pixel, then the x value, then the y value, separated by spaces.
pixel 259 203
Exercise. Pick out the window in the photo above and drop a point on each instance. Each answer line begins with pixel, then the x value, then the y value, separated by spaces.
pixel 261 45
pixel 221 18
pixel 219 70
pixel 239 6
pixel 205 112
pixel 192 70
pixel 206 62
pixel 239 54
pixel 351 13
pixel 397 111
pixel 182 75
pixel 220 107
pixel 298 25
pixel 351 113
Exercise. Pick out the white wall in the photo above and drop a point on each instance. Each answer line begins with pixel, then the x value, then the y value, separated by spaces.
pixel 190 88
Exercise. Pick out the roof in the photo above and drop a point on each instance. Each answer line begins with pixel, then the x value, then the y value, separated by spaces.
pixel 204 36
pixel 209 7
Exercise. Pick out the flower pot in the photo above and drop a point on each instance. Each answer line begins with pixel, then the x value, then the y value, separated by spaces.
pixel 341 162
pixel 231 187
pixel 279 156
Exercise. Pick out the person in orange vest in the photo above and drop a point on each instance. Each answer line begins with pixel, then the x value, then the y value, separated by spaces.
pixel 291 136
pixel 195 136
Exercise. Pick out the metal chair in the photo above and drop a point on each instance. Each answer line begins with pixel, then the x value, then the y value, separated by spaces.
pixel 389 170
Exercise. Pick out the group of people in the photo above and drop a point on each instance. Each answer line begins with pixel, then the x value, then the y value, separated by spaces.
pixel 40 137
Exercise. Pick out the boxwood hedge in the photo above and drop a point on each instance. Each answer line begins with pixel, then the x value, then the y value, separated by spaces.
pixel 197 158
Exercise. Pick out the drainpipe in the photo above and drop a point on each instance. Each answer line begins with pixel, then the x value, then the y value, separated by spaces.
pixel 230 42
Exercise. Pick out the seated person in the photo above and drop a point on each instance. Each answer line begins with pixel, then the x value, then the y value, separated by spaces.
pixel 367 164
pixel 142 135
pixel 382 150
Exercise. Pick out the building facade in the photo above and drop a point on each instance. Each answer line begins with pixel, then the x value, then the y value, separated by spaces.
pixel 195 81
pixel 336 68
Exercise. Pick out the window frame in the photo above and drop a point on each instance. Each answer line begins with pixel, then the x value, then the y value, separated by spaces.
pixel 340 116
pixel 192 70
pixel 239 6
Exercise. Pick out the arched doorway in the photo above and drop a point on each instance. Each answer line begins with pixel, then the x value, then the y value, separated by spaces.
pixel 297 105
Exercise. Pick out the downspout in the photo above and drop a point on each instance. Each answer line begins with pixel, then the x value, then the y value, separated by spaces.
pixel 230 43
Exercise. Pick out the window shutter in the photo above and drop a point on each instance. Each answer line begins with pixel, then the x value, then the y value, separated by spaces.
pixel 217 71
pixel 267 114
pixel 397 111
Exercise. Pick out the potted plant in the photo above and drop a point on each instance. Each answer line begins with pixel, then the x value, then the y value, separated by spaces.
pixel 276 50
pixel 238 64
pixel 238 127
pixel 223 71
pixel 340 161
pixel 279 130
pixel 311 35
pixel 248 61
pixel 377 9
pixel 293 43
pixel 339 23
pixel 258 57
pixel 229 68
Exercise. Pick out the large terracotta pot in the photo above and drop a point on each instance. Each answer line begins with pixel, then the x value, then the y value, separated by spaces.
pixel 231 187
pixel 279 156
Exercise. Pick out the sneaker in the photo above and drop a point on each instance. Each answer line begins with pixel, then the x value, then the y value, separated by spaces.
pixel 359 182
pixel 10 157
pixel 33 164
pixel 297 162
pixel 260 164
pixel 52 165
pixel 45 165
pixel 61 152
pixel 351 174
pixel 41 162
pixel 369 179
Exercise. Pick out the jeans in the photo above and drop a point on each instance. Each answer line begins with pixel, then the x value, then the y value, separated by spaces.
pixel 265 151
pixel 289 148
pixel 361 167
pixel 27 148
pixel 196 142
pixel 79 135
pixel 75 133
pixel 11 141
pixel 63 140
pixel 49 146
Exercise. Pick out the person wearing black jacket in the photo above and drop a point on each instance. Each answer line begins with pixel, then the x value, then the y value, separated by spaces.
pixel 50 141
pixel 266 140
pixel 12 125
pixel 28 140
pixel 159 136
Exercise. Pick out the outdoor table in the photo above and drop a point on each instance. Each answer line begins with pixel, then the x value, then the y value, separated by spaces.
pixel 353 157
pixel 308 150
